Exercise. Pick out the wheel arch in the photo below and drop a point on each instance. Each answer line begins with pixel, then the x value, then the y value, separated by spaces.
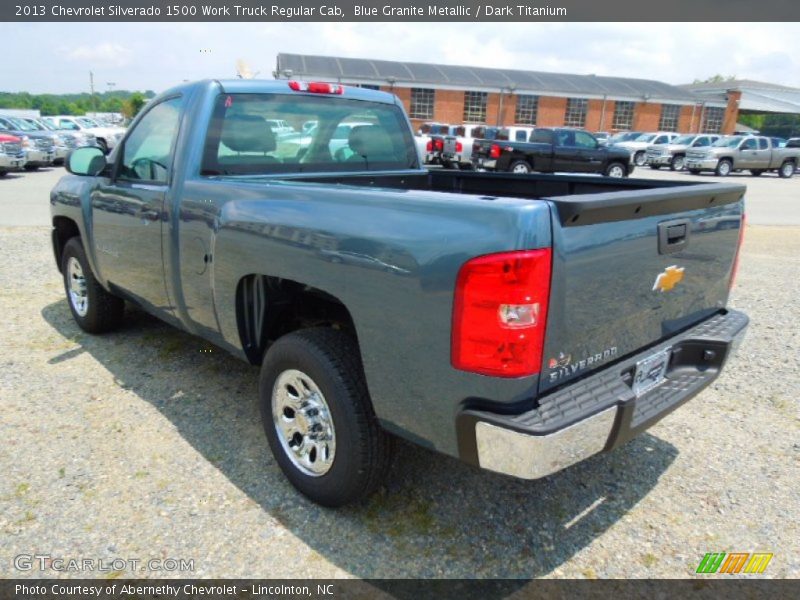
pixel 64 229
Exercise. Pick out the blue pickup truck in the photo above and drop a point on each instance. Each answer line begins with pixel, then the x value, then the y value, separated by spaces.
pixel 520 323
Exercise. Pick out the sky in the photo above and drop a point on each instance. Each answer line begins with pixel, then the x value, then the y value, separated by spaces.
pixel 57 57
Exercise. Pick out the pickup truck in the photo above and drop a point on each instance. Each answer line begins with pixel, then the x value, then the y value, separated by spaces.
pixel 39 146
pixel 672 154
pixel 520 323
pixel 457 147
pixel 12 156
pixel 638 145
pixel 737 152
pixel 550 150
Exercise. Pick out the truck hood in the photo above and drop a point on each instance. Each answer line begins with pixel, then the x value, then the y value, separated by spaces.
pixel 633 146
pixel 668 147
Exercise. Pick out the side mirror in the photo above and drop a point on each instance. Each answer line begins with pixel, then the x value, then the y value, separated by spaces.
pixel 86 161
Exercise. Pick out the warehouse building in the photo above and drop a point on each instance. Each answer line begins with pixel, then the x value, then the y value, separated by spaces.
pixel 456 94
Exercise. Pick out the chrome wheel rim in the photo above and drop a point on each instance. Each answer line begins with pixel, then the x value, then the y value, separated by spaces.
pixel 615 171
pixel 303 423
pixel 639 159
pixel 678 163
pixel 520 169
pixel 788 169
pixel 724 169
pixel 76 287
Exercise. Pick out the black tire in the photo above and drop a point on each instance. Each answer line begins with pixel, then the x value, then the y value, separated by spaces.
pixel 655 167
pixel 616 169
pixel 103 311
pixel 677 163
pixel 724 168
pixel 787 169
pixel 3 173
pixel 520 167
pixel 756 172
pixel 31 167
pixel 363 450
pixel 694 171
pixel 639 158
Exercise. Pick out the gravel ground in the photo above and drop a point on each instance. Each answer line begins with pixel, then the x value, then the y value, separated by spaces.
pixel 146 443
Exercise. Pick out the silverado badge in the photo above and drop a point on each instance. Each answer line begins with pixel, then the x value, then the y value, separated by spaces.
pixel 668 279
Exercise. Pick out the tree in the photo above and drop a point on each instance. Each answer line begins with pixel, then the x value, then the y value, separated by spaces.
pixel 716 79
pixel 132 106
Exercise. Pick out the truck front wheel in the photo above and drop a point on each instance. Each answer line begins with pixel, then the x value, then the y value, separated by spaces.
pixel 677 163
pixel 724 168
pixel 94 309
pixel 639 159
pixel 318 417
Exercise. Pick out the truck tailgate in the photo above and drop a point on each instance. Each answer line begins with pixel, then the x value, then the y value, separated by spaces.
pixel 632 268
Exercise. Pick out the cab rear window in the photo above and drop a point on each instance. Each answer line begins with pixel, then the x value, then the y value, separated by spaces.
pixel 252 134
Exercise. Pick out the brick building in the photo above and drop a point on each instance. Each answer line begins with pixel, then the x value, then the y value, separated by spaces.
pixel 455 95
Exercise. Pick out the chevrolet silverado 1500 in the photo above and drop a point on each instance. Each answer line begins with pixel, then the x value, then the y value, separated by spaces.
pixel 521 323
pixel 736 152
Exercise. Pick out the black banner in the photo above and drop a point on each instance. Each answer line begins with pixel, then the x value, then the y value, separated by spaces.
pixel 399 10
pixel 701 588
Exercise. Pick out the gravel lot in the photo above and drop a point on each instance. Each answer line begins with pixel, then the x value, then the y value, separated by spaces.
pixel 147 443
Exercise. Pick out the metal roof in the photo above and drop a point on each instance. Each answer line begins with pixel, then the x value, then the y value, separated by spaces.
pixel 363 70
pixel 757 96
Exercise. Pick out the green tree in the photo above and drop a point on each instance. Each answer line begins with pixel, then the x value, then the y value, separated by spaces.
pixel 132 106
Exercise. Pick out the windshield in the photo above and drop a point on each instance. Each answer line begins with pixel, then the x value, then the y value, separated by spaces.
pixel 46 125
pixel 683 140
pixel 624 136
pixel 728 142
pixel 21 124
pixel 646 137
pixel 87 122
pixel 350 135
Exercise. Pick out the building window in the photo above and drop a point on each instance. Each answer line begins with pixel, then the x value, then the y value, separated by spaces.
pixel 527 107
pixel 669 117
pixel 712 121
pixel 623 115
pixel 475 107
pixel 422 100
pixel 576 112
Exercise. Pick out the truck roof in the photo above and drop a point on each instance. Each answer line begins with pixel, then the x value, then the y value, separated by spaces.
pixel 273 86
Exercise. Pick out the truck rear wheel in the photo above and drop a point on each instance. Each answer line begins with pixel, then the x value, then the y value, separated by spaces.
pixel 787 169
pixel 318 417
pixel 520 167
pixel 724 168
pixel 94 309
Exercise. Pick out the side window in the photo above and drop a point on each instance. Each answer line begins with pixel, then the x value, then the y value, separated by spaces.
pixel 749 144
pixel 565 138
pixel 520 136
pixel 662 139
pixel 763 144
pixel 584 140
pixel 147 152
pixel 700 142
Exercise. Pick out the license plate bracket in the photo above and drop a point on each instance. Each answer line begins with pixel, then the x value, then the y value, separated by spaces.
pixel 651 372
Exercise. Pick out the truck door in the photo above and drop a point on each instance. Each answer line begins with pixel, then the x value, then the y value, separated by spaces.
pixel 588 152
pixel 564 151
pixel 128 210
pixel 748 154
pixel 763 156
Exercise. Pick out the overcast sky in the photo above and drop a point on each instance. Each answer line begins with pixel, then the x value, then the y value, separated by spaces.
pixel 56 57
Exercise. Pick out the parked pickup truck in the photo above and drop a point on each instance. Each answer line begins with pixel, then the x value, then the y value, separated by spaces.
pixel 457 147
pixel 550 150
pixel 520 323
pixel 12 156
pixel 673 154
pixel 736 152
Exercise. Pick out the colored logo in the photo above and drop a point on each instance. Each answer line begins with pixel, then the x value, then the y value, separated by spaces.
pixel 734 562
pixel 668 279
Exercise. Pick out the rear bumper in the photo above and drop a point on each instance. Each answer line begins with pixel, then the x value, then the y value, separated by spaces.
pixel 599 412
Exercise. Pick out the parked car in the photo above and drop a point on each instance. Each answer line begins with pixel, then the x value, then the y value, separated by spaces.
pixel 63 141
pixel 624 136
pixel 106 137
pixel 457 147
pixel 538 322
pixel 673 154
pixel 793 142
pixel 39 147
pixel 550 150
pixel 12 156
pixel 638 146
pixel 755 153
pixel 82 138
pixel 430 141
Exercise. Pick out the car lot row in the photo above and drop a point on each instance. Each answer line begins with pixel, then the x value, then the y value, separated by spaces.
pixel 28 143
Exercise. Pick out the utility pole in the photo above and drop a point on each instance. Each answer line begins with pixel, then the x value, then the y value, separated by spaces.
pixel 91 88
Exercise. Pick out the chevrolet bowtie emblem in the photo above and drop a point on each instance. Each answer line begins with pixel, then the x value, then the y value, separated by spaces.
pixel 668 279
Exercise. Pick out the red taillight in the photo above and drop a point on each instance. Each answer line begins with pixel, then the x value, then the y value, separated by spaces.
pixel 429 146
pixel 459 147
pixel 316 87
pixel 500 313
pixel 438 145
pixel 494 151
pixel 735 268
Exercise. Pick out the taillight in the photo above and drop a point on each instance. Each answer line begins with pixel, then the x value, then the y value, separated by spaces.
pixel 459 147
pixel 735 268
pixel 500 313
pixel 438 145
pixel 316 87
pixel 494 151
pixel 429 146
